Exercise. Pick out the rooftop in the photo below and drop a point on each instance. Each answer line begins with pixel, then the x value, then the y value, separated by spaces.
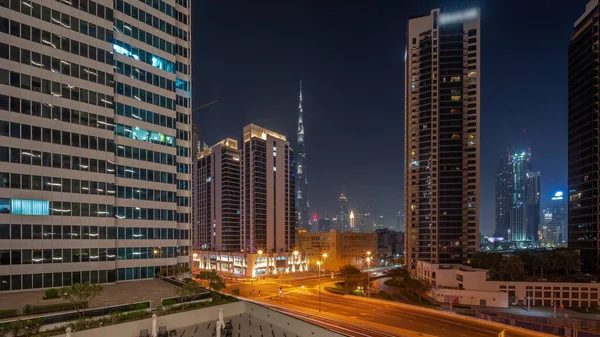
pixel 255 131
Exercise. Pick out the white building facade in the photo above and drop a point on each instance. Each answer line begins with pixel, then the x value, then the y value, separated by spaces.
pixel 465 285
pixel 95 144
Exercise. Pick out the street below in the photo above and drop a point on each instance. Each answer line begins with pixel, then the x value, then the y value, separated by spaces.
pixel 360 316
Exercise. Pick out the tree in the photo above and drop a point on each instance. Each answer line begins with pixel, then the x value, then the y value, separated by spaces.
pixel 181 271
pixel 512 266
pixel 81 295
pixel 190 291
pixel 567 260
pixel 364 281
pixel 350 275
pixel 398 272
pixel 542 262
pixel 417 287
pixel 213 280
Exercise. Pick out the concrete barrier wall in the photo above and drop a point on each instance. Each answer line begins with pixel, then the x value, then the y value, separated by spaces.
pixel 210 314
pixel 172 321
pixel 298 327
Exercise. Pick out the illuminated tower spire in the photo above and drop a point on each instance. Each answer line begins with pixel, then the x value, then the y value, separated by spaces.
pixel 302 206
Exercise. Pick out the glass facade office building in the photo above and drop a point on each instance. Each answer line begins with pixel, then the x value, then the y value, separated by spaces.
pixel 95 144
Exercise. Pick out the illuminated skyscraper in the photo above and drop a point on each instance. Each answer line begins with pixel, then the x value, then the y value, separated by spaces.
pixel 442 106
pixel 217 198
pixel 99 153
pixel 503 197
pixel 584 136
pixel 268 187
pixel 342 215
pixel 302 205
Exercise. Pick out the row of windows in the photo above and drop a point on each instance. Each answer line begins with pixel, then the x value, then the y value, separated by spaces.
pixel 144 56
pixel 48 159
pixel 145 174
pixel 136 193
pixel 55 41
pixel 44 207
pixel 145 37
pixel 68 232
pixel 37 281
pixel 183 168
pixel 55 65
pixel 65 208
pixel 34 9
pixel 138 213
pixel 145 155
pixel 70 255
pixel 144 135
pixel 55 112
pixel 66 138
pixel 145 115
pixel 66 185
pixel 144 76
pixel 56 89
pixel 154 21
pixel 70 22
pixel 144 96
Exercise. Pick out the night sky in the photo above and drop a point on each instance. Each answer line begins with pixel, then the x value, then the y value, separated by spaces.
pixel 250 55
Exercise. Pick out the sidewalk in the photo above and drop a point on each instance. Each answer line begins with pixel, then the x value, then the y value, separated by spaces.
pixel 539 312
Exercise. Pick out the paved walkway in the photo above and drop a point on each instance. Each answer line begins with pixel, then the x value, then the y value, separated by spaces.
pixel 244 325
pixel 119 293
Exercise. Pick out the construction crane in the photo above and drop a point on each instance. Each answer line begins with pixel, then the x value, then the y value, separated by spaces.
pixel 205 105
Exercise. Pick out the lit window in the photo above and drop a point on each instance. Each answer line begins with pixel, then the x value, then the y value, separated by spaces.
pixel 29 207
pixel 456 98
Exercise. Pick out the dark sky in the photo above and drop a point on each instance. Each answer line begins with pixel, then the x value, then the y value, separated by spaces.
pixel 250 55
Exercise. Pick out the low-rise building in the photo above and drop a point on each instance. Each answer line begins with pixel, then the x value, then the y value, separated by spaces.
pixel 342 248
pixel 239 264
pixel 471 286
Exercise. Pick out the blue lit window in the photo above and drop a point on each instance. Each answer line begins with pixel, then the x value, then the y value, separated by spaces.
pixel 144 135
pixel 141 55
pixel 30 207
pixel 181 84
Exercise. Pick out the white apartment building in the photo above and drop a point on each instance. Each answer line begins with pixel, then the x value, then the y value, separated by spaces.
pixel 95 144
pixel 472 286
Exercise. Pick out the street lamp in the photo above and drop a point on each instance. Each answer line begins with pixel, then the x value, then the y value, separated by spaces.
pixel 369 275
pixel 319 264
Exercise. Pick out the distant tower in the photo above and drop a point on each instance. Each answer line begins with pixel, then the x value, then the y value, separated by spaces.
pixel 302 206
pixel 503 197
pixel 342 215
pixel 352 221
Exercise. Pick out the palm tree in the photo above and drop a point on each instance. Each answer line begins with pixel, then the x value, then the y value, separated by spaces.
pixel 542 262
pixel 512 266
pixel 567 260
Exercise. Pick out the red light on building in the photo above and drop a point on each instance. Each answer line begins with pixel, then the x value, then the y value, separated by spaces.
pixel 315 217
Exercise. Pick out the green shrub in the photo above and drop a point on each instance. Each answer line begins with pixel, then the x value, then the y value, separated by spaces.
pixel 336 291
pixel 9 313
pixel 235 291
pixel 27 309
pixel 51 293
pixel 44 309
pixel 168 302
pixel 393 283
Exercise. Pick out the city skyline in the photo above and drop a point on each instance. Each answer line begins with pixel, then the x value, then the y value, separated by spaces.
pixel 262 87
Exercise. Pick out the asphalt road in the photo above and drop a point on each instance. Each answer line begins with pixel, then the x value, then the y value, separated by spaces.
pixel 358 316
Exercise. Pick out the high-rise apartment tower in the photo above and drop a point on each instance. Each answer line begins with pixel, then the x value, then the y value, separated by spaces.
pixel 442 104
pixel 268 211
pixel 583 165
pixel 217 198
